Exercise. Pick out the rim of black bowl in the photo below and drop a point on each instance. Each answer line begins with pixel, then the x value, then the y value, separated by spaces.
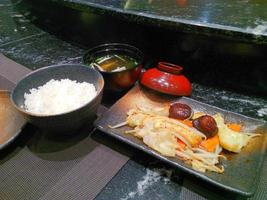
pixel 101 47
pixel 54 115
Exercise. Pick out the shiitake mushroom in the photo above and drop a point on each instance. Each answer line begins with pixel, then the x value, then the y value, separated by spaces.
pixel 180 111
pixel 206 124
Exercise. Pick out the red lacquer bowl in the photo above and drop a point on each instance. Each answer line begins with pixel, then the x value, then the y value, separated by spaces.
pixel 167 78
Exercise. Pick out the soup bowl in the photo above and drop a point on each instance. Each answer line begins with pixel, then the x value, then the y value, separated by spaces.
pixel 66 121
pixel 116 81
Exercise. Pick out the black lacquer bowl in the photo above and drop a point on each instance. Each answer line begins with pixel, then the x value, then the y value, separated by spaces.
pixel 67 121
pixel 120 81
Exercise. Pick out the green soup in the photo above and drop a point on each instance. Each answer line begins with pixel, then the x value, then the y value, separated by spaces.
pixel 114 63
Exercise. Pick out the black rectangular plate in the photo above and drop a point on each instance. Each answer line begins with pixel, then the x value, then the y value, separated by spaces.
pixel 241 171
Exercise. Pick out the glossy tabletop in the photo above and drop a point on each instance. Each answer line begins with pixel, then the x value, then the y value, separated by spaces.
pixel 238 19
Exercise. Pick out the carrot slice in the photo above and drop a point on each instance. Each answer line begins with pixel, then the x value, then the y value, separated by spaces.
pixel 235 127
pixel 186 122
pixel 211 143
pixel 181 143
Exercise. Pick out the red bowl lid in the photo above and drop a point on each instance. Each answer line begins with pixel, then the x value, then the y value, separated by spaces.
pixel 167 78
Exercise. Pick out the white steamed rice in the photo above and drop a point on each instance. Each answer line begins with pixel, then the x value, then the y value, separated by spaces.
pixel 58 96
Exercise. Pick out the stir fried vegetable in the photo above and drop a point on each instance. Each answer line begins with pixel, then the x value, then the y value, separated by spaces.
pixel 235 127
pixel 174 137
pixel 211 143
pixel 231 140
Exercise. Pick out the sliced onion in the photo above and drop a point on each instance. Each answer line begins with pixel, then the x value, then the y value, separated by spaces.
pixel 183 140
pixel 187 127
pixel 218 149
pixel 199 158
pixel 203 155
pixel 118 125
pixel 183 155
pixel 131 131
